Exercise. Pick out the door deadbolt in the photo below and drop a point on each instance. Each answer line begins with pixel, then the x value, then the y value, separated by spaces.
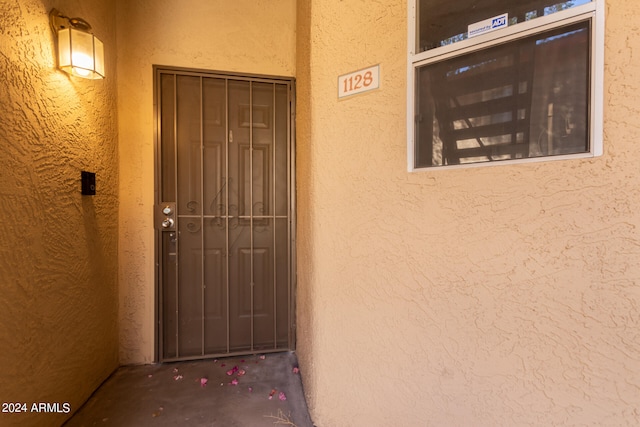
pixel 165 215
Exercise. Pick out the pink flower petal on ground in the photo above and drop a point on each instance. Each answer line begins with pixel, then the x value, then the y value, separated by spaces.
pixel 262 357
pixel 282 396
pixel 273 391
pixel 223 365
pixel 241 372
pixel 250 389
pixel 175 370
pixel 203 382
pixel 296 370
pixel 234 381
pixel 177 377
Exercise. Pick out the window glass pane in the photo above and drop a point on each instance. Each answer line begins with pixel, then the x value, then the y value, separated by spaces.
pixel 445 22
pixel 526 98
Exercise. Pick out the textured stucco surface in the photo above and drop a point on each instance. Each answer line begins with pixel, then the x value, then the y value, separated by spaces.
pixel 246 36
pixel 507 295
pixel 58 249
pixel 489 296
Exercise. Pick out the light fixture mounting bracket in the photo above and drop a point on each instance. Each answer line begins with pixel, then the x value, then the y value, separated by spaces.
pixel 59 21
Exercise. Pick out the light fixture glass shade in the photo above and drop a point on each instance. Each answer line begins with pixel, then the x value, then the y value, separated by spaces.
pixel 80 53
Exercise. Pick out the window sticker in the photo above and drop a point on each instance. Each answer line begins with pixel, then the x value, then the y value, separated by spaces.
pixel 488 25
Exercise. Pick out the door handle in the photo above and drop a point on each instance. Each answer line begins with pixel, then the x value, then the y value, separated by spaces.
pixel 165 215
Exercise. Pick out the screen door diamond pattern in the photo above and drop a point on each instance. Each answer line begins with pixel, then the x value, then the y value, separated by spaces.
pixel 224 214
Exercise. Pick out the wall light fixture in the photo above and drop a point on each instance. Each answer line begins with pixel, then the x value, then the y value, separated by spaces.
pixel 80 53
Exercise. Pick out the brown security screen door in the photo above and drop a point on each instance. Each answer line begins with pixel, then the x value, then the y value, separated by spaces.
pixel 224 214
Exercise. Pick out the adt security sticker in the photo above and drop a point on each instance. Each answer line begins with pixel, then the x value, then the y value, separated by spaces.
pixel 491 24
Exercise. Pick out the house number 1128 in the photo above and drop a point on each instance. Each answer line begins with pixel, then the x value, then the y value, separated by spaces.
pixel 359 81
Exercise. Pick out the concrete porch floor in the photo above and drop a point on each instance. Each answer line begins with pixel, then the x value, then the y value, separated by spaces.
pixel 171 394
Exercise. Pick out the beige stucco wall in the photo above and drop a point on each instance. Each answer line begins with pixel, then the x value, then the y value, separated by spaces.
pixel 490 296
pixel 58 249
pixel 246 36
pixel 507 295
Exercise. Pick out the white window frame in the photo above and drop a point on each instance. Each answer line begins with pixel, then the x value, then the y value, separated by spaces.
pixel 594 10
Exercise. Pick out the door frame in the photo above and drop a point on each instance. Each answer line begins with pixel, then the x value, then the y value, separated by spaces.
pixel 157 69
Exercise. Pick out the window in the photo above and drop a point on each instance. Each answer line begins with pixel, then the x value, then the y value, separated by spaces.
pixel 493 82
